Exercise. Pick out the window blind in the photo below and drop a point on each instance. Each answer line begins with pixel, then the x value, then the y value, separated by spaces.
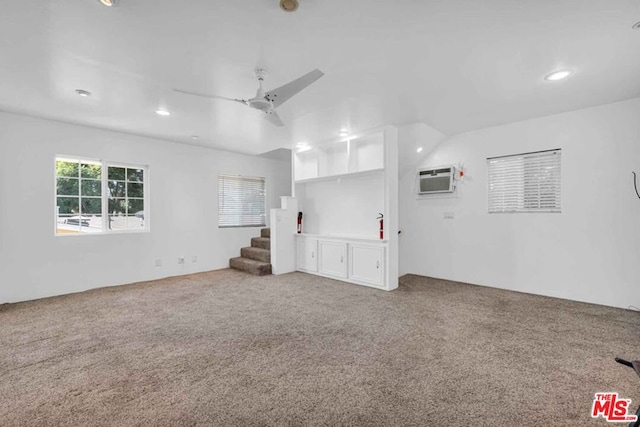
pixel 241 201
pixel 528 182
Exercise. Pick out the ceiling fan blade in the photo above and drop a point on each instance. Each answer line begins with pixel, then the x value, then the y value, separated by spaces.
pixel 273 117
pixel 280 95
pixel 204 95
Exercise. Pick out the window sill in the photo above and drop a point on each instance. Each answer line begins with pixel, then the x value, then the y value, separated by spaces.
pixel 102 233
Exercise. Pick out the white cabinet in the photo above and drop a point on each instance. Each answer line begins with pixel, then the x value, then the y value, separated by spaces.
pixel 307 257
pixel 360 261
pixel 366 264
pixel 333 258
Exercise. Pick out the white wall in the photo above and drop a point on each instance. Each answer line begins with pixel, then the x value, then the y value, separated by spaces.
pixel 345 207
pixel 410 138
pixel 183 183
pixel 590 252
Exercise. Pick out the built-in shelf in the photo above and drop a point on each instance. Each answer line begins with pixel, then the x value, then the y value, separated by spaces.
pixel 340 176
pixel 342 158
pixel 341 188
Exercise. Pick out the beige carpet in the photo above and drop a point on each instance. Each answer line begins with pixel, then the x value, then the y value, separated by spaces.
pixel 228 349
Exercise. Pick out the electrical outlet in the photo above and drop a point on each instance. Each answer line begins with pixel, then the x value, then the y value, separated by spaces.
pixel 158 263
pixel 449 215
pixel 181 260
pixel 194 258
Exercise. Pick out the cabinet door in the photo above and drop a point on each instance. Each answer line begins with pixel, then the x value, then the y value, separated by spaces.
pixel 333 258
pixel 307 254
pixel 366 264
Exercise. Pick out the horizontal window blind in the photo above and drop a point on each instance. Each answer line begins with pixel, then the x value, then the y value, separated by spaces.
pixel 528 182
pixel 241 201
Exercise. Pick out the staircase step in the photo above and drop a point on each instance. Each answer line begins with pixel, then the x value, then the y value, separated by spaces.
pixel 251 266
pixel 258 254
pixel 261 242
pixel 265 232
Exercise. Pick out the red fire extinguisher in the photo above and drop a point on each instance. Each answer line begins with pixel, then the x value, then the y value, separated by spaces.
pixel 299 222
pixel 381 226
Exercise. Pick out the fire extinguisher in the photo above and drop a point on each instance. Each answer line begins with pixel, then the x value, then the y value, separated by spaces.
pixel 381 226
pixel 299 222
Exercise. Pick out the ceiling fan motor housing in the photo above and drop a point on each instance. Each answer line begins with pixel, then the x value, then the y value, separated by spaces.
pixel 261 104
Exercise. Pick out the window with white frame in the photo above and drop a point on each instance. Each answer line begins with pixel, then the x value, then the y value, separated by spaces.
pixel 93 196
pixel 241 201
pixel 528 182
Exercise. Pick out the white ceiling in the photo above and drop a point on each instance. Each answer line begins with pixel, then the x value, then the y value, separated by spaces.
pixel 455 65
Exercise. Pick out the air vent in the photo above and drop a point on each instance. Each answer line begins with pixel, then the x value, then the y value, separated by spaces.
pixel 437 180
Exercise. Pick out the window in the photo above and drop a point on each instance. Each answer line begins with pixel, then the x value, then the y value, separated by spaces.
pixel 96 197
pixel 528 182
pixel 126 198
pixel 241 201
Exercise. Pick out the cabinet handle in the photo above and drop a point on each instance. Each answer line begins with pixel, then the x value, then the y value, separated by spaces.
pixel 313 255
pixel 341 260
pixel 377 264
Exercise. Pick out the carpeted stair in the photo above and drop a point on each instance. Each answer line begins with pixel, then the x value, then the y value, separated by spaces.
pixel 255 259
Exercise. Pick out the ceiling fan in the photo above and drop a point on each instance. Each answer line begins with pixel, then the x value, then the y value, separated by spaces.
pixel 267 102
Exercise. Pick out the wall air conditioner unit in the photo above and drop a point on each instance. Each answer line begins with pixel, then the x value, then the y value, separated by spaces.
pixel 437 180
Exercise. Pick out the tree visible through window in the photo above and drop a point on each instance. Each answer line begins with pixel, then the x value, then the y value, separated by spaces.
pixel 94 197
pixel 528 182
pixel 241 201
pixel 126 198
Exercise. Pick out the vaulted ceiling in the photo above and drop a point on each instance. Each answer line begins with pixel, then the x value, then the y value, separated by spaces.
pixel 455 65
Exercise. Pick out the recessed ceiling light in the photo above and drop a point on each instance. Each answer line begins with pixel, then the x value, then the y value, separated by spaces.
pixel 301 144
pixel 558 75
pixel 163 112
pixel 194 137
pixel 343 132
pixel 636 26
pixel 419 149
pixel 109 3
pixel 289 5
pixel 83 93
